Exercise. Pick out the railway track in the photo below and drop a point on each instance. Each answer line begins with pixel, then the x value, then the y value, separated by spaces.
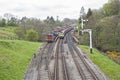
pixel 56 64
pixel 66 75
pixel 62 60
pixel 39 60
pixel 84 69
pixel 60 67
pixel 33 65
pixel 43 63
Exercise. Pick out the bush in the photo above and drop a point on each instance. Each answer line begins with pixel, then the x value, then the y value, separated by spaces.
pixel 20 33
pixel 32 35
pixel 10 23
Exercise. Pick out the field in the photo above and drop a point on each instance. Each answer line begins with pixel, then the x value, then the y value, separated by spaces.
pixel 14 58
pixel 109 67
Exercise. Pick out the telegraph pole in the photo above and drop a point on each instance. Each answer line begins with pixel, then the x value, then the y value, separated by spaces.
pixel 90 37
pixel 90 33
pixel 86 30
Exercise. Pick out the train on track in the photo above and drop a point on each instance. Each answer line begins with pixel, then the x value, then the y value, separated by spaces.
pixel 59 33
pixel 50 38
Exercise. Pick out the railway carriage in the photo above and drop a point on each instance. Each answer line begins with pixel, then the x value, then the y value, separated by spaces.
pixel 50 38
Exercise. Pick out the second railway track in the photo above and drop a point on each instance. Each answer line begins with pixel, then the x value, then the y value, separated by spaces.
pixel 84 68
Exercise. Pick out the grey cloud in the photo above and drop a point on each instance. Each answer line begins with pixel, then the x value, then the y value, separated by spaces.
pixel 60 6
pixel 39 8
pixel 42 8
pixel 51 8
pixel 20 9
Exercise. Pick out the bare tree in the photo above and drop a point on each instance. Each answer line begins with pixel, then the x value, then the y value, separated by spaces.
pixel 8 16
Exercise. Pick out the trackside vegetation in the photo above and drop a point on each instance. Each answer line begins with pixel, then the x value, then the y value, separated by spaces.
pixel 15 56
pixel 109 67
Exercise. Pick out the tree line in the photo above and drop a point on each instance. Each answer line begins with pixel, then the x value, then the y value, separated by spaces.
pixel 105 24
pixel 9 20
pixel 33 29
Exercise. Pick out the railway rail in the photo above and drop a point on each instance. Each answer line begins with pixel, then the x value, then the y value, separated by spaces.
pixel 56 64
pixel 60 60
pixel 85 71
pixel 64 65
pixel 60 67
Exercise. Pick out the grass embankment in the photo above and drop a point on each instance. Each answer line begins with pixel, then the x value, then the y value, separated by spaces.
pixel 7 32
pixel 109 67
pixel 14 58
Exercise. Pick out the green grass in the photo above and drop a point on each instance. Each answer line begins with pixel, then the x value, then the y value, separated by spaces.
pixel 7 32
pixel 15 56
pixel 8 28
pixel 109 67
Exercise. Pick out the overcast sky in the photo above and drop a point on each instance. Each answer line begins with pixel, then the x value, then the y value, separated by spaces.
pixel 43 8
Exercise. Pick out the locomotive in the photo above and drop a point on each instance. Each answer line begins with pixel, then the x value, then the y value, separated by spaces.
pixel 63 32
pixel 61 35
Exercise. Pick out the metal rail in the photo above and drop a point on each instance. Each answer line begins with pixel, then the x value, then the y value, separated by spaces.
pixel 61 67
pixel 76 63
pixel 34 64
pixel 86 65
pixel 59 56
pixel 56 64
pixel 42 59
pixel 74 50
pixel 64 64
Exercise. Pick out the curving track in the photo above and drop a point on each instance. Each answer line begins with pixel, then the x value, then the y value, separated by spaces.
pixel 82 63
pixel 62 60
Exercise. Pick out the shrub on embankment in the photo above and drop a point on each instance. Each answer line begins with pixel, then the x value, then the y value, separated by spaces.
pixel 14 58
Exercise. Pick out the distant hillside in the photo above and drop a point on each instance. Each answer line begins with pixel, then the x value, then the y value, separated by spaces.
pixel 14 58
pixel 7 33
